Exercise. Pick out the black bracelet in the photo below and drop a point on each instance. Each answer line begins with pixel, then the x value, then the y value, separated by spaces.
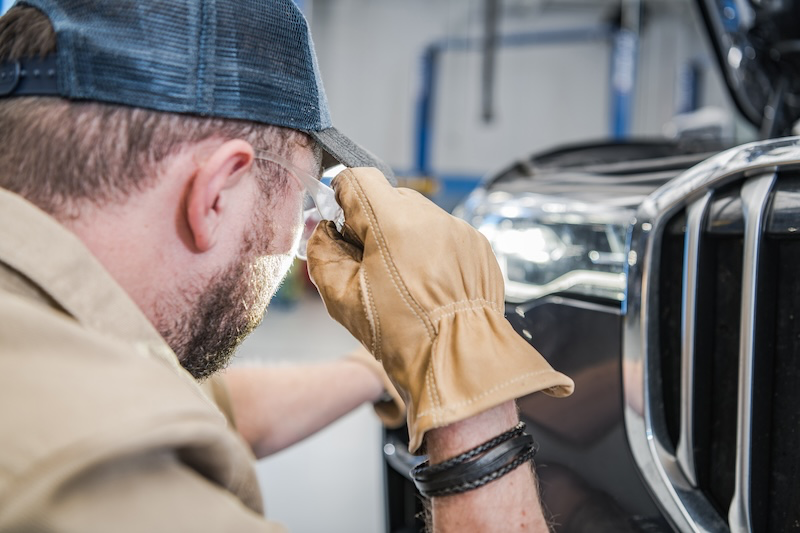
pixel 518 461
pixel 499 456
pixel 469 454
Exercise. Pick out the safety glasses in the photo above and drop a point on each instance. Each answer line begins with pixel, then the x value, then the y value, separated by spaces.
pixel 319 201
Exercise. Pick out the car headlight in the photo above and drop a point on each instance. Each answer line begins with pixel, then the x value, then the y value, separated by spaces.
pixel 548 244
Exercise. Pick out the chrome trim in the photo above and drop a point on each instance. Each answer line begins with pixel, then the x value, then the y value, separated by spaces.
pixel 755 195
pixel 518 292
pixel 694 229
pixel 686 507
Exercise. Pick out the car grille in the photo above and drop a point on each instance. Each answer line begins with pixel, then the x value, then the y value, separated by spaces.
pixel 712 342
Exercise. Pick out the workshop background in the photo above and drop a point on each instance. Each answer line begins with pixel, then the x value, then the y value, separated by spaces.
pixel 446 91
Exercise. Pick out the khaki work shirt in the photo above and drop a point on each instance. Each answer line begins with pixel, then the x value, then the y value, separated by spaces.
pixel 102 430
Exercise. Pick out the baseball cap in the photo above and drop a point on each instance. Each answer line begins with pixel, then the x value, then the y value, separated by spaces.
pixel 239 59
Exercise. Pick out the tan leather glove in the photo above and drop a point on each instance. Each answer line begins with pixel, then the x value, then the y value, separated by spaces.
pixel 423 293
pixel 391 410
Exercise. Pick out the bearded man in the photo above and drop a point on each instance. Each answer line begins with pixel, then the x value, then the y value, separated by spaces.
pixel 150 205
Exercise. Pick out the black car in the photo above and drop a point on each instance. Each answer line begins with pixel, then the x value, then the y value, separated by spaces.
pixel 662 276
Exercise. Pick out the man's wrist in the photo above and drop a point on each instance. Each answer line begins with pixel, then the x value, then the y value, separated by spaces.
pixel 372 382
pixel 509 502
pixel 477 467
pixel 449 441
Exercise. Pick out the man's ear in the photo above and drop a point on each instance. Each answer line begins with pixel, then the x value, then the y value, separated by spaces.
pixel 207 200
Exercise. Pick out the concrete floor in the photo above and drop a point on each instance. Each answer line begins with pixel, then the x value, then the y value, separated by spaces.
pixel 333 481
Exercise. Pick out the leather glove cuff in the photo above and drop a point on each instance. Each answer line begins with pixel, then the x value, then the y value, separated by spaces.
pixel 477 362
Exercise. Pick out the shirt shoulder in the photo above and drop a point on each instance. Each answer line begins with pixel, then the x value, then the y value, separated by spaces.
pixel 79 402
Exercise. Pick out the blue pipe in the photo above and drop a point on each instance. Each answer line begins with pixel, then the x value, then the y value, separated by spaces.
pixel 569 35
pixel 424 116
pixel 425 101
pixel 623 80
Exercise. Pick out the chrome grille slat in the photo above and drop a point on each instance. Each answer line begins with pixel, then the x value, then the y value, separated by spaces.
pixel 687 505
pixel 694 228
pixel 755 195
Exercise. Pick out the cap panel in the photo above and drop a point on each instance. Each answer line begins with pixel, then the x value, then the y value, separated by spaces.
pixel 134 53
pixel 271 59
pixel 248 59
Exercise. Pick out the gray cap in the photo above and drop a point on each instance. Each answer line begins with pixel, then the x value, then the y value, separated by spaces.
pixel 239 59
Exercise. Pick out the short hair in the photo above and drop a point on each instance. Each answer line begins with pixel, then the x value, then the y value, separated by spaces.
pixel 57 153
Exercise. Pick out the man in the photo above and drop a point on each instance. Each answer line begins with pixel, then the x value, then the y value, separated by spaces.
pixel 145 225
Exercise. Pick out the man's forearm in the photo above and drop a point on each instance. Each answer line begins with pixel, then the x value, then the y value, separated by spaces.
pixel 275 407
pixel 510 503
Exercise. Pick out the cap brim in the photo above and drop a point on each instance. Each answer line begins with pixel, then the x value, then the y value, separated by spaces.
pixel 347 152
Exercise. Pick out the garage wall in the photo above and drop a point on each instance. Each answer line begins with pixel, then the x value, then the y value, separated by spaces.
pixel 543 95
pixel 370 55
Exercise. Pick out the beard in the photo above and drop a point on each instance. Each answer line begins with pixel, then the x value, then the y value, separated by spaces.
pixel 232 305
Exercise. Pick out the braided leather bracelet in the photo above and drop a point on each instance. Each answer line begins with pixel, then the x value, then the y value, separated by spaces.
pixel 496 458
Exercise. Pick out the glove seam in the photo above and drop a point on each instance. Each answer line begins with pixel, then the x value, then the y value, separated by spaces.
pixel 437 411
pixel 463 305
pixel 392 271
pixel 433 391
pixel 372 316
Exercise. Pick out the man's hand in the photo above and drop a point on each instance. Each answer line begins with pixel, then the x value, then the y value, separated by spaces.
pixel 423 292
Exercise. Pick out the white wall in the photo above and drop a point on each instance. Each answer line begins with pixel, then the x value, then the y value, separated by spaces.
pixel 543 96
pixel 370 50
pixel 369 53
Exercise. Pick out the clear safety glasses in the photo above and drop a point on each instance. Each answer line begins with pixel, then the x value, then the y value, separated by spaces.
pixel 319 201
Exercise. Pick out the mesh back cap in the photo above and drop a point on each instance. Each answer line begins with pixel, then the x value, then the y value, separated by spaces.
pixel 239 59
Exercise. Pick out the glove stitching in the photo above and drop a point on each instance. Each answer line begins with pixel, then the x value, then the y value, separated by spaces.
pixel 372 315
pixel 433 393
pixel 360 196
pixel 436 412
pixel 463 305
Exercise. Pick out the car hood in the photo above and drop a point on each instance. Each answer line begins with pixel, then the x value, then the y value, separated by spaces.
pixel 618 173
